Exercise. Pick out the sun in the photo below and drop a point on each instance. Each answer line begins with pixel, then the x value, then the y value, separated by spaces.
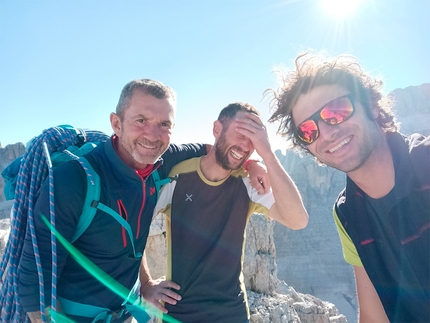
pixel 340 8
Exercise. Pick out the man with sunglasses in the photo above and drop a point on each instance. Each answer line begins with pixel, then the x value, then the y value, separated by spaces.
pixel 331 109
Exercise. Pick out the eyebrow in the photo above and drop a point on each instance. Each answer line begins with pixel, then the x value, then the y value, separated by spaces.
pixel 141 116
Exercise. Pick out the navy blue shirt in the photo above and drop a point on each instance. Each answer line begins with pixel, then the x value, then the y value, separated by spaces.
pixel 392 234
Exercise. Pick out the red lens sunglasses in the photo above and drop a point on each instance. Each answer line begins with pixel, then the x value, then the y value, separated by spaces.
pixel 333 113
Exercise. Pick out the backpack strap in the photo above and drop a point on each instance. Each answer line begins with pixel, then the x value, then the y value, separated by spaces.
pixel 101 314
pixel 159 182
pixel 92 203
pixel 93 194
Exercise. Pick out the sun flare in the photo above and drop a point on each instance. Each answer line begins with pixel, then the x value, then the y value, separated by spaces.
pixel 340 8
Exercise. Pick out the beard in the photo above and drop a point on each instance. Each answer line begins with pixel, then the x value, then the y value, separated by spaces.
pixel 222 152
pixel 149 157
pixel 366 151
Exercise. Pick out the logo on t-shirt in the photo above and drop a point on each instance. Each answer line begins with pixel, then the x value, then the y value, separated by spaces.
pixel 188 197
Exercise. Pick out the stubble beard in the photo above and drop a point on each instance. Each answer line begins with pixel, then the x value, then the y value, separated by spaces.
pixel 221 154
pixel 367 149
pixel 149 158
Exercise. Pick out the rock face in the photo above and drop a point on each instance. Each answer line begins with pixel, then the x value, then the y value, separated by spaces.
pixel 7 155
pixel 413 108
pixel 311 260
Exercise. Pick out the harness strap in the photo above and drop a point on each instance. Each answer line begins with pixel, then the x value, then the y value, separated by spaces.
pixel 102 313
pixel 75 308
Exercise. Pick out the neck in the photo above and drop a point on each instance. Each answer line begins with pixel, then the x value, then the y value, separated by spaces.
pixel 211 169
pixel 376 177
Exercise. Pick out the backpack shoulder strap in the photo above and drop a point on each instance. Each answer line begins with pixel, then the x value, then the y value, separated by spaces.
pixel 92 204
pixel 93 194
pixel 159 182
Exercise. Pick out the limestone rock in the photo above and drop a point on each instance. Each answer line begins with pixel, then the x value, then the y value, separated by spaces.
pixel 4 234
pixel 412 106
pixel 8 155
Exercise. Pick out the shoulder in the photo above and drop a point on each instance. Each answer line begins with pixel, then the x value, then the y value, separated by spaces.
pixel 187 166
pixel 239 173
pixel 414 142
pixel 70 179
pixel 418 143
pixel 419 153
pixel 174 149
pixel 349 251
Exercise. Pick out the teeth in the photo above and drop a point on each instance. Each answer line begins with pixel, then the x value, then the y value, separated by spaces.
pixel 148 146
pixel 236 154
pixel 342 143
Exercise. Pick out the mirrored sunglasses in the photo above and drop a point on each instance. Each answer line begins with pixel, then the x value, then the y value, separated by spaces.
pixel 333 113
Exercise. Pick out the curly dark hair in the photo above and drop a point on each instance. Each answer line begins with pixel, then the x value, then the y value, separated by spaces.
pixel 313 70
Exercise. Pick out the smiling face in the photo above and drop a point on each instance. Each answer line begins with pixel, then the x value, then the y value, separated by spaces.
pixel 346 146
pixel 231 148
pixel 145 130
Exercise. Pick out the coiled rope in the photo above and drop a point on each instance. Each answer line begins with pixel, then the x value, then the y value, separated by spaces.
pixel 34 169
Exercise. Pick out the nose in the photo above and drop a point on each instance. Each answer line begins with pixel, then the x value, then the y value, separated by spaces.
pixel 247 145
pixel 152 131
pixel 327 132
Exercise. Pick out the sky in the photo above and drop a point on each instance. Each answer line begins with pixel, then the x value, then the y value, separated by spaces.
pixel 66 62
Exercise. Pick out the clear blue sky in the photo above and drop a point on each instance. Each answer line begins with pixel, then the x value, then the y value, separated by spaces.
pixel 67 61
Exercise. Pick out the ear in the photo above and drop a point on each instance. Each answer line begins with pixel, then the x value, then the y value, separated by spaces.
pixel 115 122
pixel 217 131
pixel 375 106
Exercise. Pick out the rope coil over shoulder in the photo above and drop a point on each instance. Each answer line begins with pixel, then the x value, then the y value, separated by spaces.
pixel 33 172
pixel 53 147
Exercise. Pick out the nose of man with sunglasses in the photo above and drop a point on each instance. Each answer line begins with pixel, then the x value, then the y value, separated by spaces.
pixel 330 108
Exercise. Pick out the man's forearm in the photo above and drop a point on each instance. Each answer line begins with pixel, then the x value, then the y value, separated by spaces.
pixel 144 274
pixel 289 209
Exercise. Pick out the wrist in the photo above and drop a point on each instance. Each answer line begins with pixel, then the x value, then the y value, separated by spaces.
pixel 249 161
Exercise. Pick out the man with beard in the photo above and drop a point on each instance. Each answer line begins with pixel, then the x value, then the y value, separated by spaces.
pixel 333 110
pixel 207 206
pixel 142 127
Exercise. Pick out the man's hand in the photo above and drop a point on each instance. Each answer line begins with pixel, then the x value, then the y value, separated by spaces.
pixel 288 208
pixel 252 127
pixel 258 176
pixel 159 290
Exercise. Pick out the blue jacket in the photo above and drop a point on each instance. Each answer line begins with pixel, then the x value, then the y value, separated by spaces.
pixel 105 242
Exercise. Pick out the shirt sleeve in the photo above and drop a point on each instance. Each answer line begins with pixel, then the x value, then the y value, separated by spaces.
pixel 178 153
pixel 349 251
pixel 260 203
